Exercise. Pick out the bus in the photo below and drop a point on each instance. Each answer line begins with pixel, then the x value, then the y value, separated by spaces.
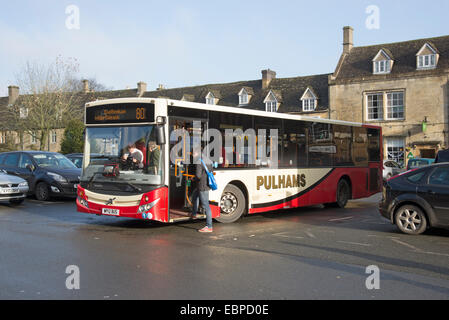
pixel 305 161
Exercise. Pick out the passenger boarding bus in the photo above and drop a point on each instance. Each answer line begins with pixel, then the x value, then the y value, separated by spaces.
pixel 263 161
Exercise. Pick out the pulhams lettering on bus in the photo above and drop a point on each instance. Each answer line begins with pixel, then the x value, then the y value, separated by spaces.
pixel 281 182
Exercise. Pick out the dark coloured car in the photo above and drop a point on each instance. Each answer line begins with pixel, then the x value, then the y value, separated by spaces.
pixel 418 199
pixel 442 156
pixel 47 173
pixel 76 158
pixel 419 162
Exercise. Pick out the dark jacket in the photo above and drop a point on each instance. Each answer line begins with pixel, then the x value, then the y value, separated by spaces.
pixel 201 176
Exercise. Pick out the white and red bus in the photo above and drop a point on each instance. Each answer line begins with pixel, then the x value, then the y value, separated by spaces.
pixel 319 161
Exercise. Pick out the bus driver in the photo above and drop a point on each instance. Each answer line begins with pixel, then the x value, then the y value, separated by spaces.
pixel 133 159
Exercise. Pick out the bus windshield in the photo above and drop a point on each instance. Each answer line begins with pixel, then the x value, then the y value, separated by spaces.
pixel 126 156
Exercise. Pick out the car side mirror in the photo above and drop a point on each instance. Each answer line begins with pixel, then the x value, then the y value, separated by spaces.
pixel 30 167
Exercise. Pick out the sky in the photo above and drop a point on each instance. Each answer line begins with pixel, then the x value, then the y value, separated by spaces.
pixel 188 43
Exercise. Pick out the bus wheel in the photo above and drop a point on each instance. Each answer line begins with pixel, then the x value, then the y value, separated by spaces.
pixel 232 204
pixel 343 193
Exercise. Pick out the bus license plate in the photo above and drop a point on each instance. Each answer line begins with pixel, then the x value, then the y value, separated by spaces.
pixel 111 212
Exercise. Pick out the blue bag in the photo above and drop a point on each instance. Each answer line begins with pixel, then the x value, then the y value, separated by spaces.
pixel 210 178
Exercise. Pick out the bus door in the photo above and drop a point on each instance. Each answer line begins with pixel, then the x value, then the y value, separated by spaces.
pixel 182 171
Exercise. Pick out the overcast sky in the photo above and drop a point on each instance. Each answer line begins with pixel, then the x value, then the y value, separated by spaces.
pixel 187 43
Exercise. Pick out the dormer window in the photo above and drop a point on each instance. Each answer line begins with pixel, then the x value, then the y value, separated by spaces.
pixel 309 100
pixel 381 66
pixel 243 99
pixel 210 98
pixel 427 61
pixel 245 96
pixel 427 57
pixel 272 101
pixel 382 62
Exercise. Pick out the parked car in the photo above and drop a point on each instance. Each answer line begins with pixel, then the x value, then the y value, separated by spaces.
pixel 76 158
pixel 442 156
pixel 418 199
pixel 391 168
pixel 12 188
pixel 419 162
pixel 47 173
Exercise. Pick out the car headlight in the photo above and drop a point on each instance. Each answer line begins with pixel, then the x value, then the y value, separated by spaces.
pixel 57 177
pixel 23 184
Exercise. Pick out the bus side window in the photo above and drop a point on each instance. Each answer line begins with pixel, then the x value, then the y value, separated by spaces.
pixel 294 148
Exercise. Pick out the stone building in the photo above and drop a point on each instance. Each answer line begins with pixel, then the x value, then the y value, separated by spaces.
pixel 403 87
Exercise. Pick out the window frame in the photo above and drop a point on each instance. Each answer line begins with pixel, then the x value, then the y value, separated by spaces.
pixel 391 107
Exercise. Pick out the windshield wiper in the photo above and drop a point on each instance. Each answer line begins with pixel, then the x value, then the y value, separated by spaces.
pixel 136 188
pixel 92 178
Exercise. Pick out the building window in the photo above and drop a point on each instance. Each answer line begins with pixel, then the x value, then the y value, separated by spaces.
pixel 23 112
pixel 243 99
pixel 396 150
pixel 375 106
pixel 33 138
pixel 395 105
pixel 308 105
pixel 427 61
pixel 271 106
pixel 382 66
pixel 54 137
pixel 2 137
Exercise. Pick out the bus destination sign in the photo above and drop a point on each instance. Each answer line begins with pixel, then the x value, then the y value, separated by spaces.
pixel 120 113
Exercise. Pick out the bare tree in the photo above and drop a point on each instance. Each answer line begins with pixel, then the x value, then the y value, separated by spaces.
pixel 48 101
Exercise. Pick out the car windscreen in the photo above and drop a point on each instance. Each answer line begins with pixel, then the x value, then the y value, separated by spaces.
pixel 50 160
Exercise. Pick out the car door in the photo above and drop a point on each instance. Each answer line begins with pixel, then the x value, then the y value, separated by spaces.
pixel 436 192
pixel 23 169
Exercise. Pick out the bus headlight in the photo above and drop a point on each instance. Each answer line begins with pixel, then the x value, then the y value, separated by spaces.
pixel 147 207
pixel 83 202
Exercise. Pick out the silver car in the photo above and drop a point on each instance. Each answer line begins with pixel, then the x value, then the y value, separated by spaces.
pixel 12 188
pixel 391 169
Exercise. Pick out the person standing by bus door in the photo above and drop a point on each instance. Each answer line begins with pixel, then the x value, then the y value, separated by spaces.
pixel 201 193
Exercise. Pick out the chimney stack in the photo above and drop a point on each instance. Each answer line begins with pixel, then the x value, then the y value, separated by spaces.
pixel 267 76
pixel 86 86
pixel 141 88
pixel 13 94
pixel 348 39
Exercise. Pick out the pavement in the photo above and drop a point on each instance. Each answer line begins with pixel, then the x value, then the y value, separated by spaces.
pixel 307 253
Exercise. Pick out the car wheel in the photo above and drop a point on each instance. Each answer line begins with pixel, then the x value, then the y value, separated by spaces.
pixel 411 220
pixel 343 195
pixel 232 204
pixel 42 192
pixel 16 201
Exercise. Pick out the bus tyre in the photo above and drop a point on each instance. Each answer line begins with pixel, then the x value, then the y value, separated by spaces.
pixel 42 192
pixel 343 193
pixel 232 204
pixel 411 220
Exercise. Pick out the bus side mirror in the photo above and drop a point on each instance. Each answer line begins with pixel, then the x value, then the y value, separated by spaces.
pixel 160 135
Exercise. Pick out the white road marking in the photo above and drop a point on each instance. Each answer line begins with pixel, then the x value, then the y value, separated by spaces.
pixel 406 245
pixel 355 243
pixel 283 235
pixel 310 234
pixel 341 219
